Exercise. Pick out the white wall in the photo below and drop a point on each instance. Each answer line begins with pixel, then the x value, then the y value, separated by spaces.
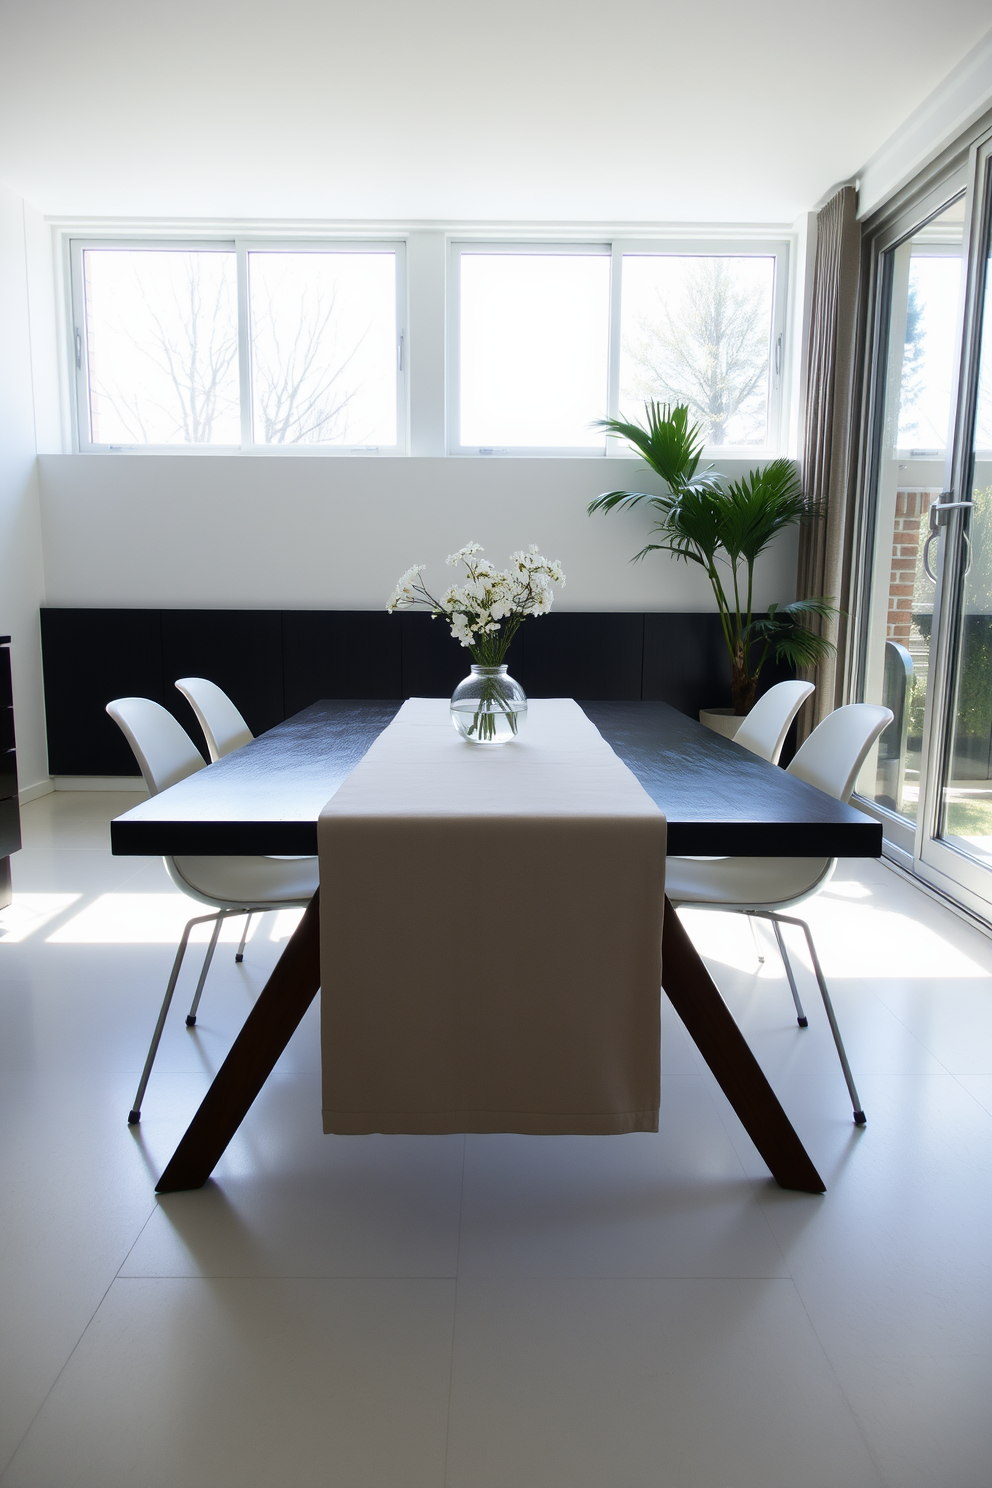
pixel 191 531
pixel 963 96
pixel 24 244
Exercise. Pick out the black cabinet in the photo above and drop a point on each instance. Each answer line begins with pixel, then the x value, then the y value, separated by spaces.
pixel 10 816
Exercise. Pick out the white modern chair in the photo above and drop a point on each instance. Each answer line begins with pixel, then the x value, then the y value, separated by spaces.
pixel 223 727
pixel 765 727
pixel 229 886
pixel 762 887
pixel 224 730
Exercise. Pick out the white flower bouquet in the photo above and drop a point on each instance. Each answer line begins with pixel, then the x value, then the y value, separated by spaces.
pixel 487 610
pixel 484 613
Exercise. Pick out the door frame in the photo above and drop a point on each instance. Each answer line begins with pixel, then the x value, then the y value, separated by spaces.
pixel 965 167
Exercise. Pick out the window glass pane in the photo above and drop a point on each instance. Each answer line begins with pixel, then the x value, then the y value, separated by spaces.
pixel 534 354
pixel 162 346
pixel 930 344
pixel 323 347
pixel 697 330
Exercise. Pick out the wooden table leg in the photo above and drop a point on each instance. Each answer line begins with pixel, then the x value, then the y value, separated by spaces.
pixel 695 997
pixel 295 981
pixel 268 1029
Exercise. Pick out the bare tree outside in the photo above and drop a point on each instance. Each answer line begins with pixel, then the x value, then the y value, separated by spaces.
pixel 303 372
pixel 700 335
pixel 323 346
pixel 163 346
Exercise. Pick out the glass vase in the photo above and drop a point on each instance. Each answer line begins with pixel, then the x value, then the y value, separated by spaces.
pixel 489 706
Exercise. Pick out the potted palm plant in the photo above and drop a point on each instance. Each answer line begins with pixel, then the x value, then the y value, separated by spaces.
pixel 724 526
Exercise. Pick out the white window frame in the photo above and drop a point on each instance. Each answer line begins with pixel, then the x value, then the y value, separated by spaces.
pixel 775 248
pixel 241 246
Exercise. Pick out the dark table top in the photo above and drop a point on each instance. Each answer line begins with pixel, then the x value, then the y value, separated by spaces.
pixel 718 798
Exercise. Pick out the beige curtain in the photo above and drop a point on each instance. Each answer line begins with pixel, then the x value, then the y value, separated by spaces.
pixel 825 544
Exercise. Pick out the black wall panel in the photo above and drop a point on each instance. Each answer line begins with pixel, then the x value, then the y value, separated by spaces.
pixel 92 657
pixel 685 661
pixel 240 650
pixel 340 654
pixel 433 661
pixel 272 663
pixel 590 656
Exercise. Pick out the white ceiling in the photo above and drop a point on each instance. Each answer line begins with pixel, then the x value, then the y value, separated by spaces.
pixel 713 110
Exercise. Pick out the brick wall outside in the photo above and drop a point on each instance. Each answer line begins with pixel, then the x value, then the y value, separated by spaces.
pixel 909 529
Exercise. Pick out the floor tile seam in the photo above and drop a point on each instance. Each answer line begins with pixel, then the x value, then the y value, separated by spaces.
pixel 860 1426
pixel 61 1371
pixel 153 1210
pixel 758 1184
pixel 614 1278
pixel 863 1072
pixel 959 1080
pixel 391 1276
pixel 913 1035
pixel 470 1277
pixel 454 1315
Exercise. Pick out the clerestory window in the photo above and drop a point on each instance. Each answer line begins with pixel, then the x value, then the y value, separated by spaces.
pixel 234 345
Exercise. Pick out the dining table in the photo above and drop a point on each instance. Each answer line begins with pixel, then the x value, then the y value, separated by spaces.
pixel 268 797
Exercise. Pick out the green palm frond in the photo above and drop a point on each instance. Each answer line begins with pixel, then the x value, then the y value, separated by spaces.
pixel 666 441
pixel 803 648
pixel 609 499
pixel 759 506
pixel 785 631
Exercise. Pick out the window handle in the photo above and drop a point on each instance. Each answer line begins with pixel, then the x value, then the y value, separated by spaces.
pixel 399 353
pixel 778 355
pixel 79 350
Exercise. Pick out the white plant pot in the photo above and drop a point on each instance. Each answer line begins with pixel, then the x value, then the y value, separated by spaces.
pixel 722 720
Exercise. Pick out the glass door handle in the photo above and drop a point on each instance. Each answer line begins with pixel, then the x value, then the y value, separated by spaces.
pixel 937 520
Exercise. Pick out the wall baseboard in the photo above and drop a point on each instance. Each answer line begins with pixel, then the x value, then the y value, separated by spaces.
pixel 98 783
pixel 32 792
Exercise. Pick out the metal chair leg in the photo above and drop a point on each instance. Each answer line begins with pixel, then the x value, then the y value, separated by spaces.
pixel 134 1115
pixel 801 1017
pixel 240 953
pixel 754 937
pixel 859 1116
pixel 191 1015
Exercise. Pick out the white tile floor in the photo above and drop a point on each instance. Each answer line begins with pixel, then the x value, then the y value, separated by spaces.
pixel 487 1312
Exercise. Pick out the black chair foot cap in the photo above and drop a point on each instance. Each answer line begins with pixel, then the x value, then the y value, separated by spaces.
pixel 803 1022
pixel 133 1117
pixel 190 1019
pixel 239 958
pixel 860 1119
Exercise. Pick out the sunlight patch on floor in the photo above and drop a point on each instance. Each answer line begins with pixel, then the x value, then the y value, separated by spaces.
pixel 149 919
pixel 856 940
pixel 31 912
pixel 286 921
pixel 142 919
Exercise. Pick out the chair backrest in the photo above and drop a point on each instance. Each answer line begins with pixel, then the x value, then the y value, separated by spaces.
pixel 837 748
pixel 765 727
pixel 223 727
pixel 162 747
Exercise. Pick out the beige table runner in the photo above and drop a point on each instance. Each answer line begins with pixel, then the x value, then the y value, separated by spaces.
pixel 491 932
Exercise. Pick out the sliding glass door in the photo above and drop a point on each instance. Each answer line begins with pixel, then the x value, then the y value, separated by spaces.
pixel 927 634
